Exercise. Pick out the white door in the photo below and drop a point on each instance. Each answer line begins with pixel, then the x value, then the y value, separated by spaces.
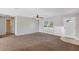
pixel 69 26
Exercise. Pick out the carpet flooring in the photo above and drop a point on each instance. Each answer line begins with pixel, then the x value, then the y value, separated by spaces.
pixel 36 42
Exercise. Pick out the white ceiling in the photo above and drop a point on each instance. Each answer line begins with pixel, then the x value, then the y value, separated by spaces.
pixel 32 12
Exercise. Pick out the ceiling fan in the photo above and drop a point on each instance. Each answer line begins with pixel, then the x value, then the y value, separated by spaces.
pixel 37 16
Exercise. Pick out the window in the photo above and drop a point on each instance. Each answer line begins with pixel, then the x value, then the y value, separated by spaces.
pixel 48 24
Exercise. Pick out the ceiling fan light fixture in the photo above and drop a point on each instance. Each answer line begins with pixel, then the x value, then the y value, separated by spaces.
pixel 37 16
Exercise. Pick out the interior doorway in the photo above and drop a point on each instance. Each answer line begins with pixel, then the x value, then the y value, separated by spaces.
pixel 10 26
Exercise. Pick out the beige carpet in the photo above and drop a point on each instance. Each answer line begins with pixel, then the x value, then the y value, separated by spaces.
pixel 35 42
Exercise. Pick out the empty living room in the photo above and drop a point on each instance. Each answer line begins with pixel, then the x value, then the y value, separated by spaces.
pixel 39 29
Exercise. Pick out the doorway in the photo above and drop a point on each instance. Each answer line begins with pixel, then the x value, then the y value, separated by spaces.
pixel 10 26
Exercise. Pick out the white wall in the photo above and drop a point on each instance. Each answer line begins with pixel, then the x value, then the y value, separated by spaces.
pixel 2 26
pixel 76 29
pixel 25 25
pixel 77 26
pixel 57 29
pixel 13 26
pixel 70 27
